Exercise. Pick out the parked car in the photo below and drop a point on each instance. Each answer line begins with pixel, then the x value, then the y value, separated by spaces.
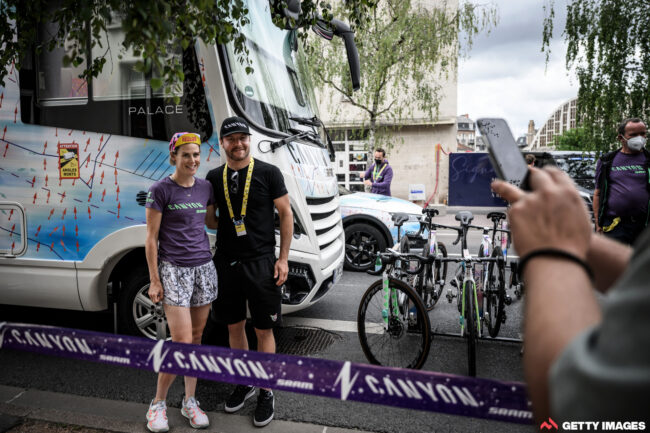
pixel 580 166
pixel 368 224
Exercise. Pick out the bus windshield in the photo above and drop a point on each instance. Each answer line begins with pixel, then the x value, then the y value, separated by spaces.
pixel 279 86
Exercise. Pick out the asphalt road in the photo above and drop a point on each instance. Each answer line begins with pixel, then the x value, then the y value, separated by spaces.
pixel 335 314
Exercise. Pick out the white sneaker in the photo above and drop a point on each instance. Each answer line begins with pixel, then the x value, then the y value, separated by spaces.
pixel 157 417
pixel 192 411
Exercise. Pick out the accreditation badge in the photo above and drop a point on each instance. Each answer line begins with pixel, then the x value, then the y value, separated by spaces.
pixel 240 228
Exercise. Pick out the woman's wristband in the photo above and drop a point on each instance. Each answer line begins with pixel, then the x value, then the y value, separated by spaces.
pixel 552 252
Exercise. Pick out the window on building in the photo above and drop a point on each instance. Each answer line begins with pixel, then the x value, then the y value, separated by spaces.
pixel 352 155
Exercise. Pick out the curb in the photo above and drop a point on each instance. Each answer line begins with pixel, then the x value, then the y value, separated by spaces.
pixel 126 417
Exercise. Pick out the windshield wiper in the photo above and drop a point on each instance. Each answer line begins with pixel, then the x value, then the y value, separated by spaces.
pixel 316 122
pixel 289 139
pixel 313 121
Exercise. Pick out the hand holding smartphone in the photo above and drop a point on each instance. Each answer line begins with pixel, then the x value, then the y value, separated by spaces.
pixel 505 156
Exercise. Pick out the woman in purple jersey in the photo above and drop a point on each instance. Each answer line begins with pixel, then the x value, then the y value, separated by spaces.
pixel 181 271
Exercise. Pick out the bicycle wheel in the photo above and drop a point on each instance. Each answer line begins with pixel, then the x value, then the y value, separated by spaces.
pixel 407 340
pixel 494 294
pixel 424 282
pixel 480 276
pixel 515 283
pixel 470 327
pixel 441 270
pixel 404 245
pixel 426 285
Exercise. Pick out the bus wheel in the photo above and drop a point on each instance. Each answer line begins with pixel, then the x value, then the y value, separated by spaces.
pixel 137 314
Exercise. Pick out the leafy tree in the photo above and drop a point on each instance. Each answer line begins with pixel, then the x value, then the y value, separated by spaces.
pixel 405 51
pixel 608 45
pixel 573 139
pixel 152 28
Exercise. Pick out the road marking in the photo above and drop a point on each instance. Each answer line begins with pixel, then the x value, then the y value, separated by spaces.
pixel 327 324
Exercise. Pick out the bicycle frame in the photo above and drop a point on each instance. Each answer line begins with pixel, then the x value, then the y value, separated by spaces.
pixel 486 243
pixel 504 239
pixel 433 244
pixel 468 277
pixel 389 295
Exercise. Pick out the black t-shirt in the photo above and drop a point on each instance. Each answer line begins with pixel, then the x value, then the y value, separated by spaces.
pixel 267 184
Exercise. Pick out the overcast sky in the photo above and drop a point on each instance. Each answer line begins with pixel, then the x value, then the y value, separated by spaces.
pixel 506 75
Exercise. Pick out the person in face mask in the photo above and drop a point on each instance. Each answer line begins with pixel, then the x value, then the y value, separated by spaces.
pixel 379 175
pixel 622 193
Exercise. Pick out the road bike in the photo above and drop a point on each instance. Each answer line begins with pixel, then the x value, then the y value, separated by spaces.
pixel 491 282
pixel 465 284
pixel 392 322
pixel 431 279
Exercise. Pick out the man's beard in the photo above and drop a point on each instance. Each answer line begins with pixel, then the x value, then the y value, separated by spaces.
pixel 231 155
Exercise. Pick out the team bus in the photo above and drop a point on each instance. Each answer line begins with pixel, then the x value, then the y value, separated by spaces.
pixel 77 157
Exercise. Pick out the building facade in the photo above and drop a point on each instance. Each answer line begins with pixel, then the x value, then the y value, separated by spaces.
pixel 562 119
pixel 466 135
pixel 416 148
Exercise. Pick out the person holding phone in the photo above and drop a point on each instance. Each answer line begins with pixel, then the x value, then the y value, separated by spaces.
pixel 182 275
pixel 584 359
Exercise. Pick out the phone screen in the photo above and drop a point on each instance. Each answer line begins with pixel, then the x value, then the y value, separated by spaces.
pixel 506 158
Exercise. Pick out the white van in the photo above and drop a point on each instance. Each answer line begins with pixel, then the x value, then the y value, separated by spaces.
pixel 77 157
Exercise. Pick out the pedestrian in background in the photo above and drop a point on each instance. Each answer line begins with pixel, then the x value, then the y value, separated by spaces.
pixel 246 192
pixel 181 271
pixel 585 359
pixel 530 160
pixel 622 185
pixel 379 175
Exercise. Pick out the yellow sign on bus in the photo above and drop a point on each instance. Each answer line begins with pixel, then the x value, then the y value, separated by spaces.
pixel 69 160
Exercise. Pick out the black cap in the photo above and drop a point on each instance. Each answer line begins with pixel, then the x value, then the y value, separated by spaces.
pixel 232 125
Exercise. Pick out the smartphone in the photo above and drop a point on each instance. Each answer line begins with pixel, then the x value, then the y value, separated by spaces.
pixel 506 158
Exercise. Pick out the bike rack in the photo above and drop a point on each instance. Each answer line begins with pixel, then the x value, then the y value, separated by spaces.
pixel 503 339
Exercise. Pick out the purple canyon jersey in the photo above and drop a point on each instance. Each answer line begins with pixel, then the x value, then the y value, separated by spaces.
pixel 627 195
pixel 182 239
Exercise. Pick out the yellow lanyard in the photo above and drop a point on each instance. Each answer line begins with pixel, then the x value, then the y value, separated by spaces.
pixel 375 173
pixel 247 187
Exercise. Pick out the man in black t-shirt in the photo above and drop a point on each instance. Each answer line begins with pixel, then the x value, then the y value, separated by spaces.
pixel 246 191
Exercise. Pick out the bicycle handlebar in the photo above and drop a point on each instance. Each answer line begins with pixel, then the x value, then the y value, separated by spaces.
pixel 390 256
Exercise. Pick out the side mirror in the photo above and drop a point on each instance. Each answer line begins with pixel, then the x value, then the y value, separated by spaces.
pixel 342 30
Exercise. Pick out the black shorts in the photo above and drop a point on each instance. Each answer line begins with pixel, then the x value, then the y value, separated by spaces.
pixel 250 281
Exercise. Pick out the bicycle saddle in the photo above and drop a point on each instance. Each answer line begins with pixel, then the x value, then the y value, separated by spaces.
pixel 400 218
pixel 430 212
pixel 465 217
pixel 496 216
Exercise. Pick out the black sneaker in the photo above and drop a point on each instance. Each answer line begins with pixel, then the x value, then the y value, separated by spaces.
pixel 238 397
pixel 264 410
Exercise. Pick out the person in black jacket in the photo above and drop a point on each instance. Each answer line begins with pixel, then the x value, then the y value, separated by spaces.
pixel 622 191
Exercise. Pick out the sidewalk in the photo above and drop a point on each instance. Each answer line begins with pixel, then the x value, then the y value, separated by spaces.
pixel 52 412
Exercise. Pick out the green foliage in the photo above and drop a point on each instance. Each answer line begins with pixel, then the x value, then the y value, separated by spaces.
pixel 406 52
pixel 576 139
pixel 608 46
pixel 153 29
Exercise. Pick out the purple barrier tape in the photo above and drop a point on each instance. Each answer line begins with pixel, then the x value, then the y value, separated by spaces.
pixel 412 389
